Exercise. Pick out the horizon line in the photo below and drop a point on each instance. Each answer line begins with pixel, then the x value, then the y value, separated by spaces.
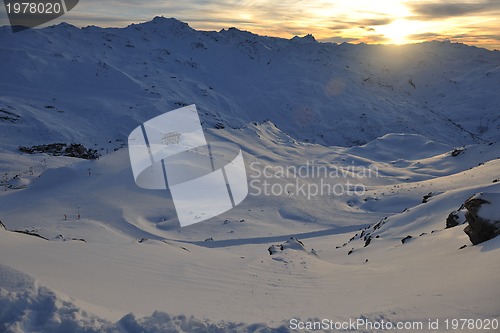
pixel 301 36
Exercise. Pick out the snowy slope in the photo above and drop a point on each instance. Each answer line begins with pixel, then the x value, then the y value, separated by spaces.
pixel 111 257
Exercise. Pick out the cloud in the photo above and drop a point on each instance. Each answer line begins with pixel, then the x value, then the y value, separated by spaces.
pixel 367 24
pixel 339 26
pixel 338 40
pixel 374 39
pixel 425 36
pixel 375 22
pixel 445 9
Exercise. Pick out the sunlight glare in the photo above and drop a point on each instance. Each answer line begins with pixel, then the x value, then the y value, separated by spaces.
pixel 399 31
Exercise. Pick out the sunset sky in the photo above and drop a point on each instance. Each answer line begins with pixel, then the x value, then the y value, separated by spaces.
pixel 474 22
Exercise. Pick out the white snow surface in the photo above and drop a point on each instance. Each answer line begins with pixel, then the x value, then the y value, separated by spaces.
pixel 111 257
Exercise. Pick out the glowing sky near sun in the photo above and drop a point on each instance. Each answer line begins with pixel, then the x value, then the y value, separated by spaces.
pixel 474 22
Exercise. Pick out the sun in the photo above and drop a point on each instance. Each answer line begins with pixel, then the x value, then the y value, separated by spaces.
pixel 399 31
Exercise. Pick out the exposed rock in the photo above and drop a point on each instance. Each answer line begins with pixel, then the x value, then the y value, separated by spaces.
pixel 62 149
pixel 8 116
pixel 426 197
pixel 457 151
pixel 378 225
pixel 452 220
pixel 274 249
pixel 30 233
pixel 455 218
pixel 2 226
pixel 79 239
pixel 483 216
pixel 293 243
pixel 406 239
pixel 219 125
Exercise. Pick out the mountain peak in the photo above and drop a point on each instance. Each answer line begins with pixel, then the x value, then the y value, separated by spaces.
pixel 236 32
pixel 309 38
pixel 167 25
pixel 63 25
pixel 168 21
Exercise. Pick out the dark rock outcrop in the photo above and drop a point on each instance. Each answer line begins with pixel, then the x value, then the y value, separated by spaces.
pixel 456 217
pixel 457 151
pixel 293 243
pixel 30 233
pixel 404 240
pixel 62 149
pixel 481 226
pixel 275 249
pixel 426 197
pixel 452 220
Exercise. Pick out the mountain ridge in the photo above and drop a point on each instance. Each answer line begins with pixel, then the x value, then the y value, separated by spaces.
pixel 235 77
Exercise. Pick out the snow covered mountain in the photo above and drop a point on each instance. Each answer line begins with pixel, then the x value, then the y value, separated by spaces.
pixel 447 92
pixel 110 257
